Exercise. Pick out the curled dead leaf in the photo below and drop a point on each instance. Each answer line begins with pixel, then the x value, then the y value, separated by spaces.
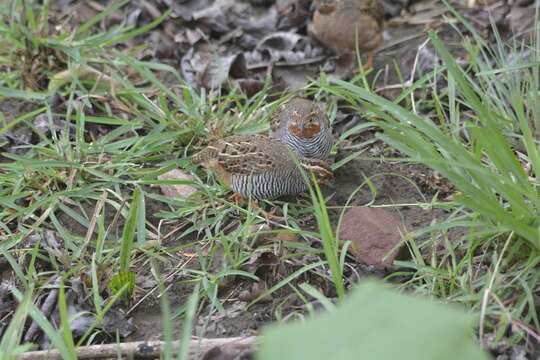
pixel 280 41
pixel 221 68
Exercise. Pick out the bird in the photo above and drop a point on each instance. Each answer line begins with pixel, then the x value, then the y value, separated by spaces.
pixel 338 23
pixel 259 167
pixel 304 127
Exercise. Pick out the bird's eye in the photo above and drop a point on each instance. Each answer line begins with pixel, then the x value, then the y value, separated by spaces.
pixel 313 120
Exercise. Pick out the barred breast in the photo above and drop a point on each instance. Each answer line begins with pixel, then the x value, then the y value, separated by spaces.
pixel 269 185
pixel 304 127
pixel 318 147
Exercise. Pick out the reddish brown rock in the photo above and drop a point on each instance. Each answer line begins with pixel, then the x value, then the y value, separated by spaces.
pixel 374 233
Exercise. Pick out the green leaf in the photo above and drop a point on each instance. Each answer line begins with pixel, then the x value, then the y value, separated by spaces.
pixel 65 322
pixel 12 336
pixel 129 231
pixel 125 279
pixel 376 323
pixel 123 285
pixel 187 326
pixel 84 27
pixel 329 242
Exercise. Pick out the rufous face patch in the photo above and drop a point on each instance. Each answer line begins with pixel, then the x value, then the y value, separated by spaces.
pixel 306 132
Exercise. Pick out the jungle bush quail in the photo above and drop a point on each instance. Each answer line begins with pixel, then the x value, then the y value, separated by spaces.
pixel 258 167
pixel 303 126
pixel 338 23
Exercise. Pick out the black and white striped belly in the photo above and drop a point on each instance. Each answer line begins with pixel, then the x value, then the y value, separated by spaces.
pixel 269 185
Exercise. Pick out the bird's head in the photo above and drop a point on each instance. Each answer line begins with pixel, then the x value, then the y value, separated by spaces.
pixel 306 120
pixel 325 6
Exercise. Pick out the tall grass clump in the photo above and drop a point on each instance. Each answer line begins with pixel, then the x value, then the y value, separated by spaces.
pixel 480 131
pixel 34 53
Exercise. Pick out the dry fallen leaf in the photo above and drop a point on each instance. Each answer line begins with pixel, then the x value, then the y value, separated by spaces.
pixel 177 190
pixel 221 68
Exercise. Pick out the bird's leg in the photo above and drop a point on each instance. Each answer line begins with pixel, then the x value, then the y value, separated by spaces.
pixel 304 199
pixel 367 66
pixel 369 63
pixel 267 215
pixel 237 199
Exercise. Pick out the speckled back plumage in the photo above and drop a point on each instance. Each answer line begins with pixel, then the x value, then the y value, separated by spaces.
pixel 298 109
pixel 256 166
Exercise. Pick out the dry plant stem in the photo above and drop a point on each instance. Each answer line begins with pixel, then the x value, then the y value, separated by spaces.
pixel 38 222
pixel 170 276
pixel 140 349
pixel 527 329
pixel 488 290
pixel 399 41
pixel 413 72
pixel 93 220
pixel 516 324
pixel 409 82
pixel 287 63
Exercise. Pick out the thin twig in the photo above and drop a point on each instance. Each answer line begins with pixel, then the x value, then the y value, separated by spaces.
pixel 93 221
pixel 287 63
pixel 140 349
pixel 170 276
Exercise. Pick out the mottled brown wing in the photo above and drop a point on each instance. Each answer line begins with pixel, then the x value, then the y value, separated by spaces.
pixel 246 155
